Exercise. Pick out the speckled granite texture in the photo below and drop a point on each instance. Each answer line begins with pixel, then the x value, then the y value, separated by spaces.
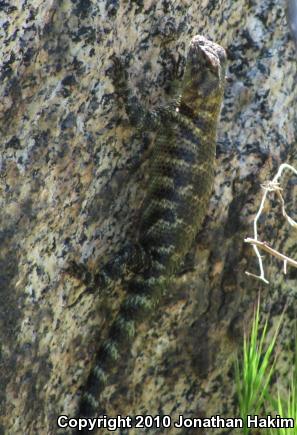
pixel 72 177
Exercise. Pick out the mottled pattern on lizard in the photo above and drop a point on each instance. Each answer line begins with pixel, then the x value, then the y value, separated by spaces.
pixel 181 179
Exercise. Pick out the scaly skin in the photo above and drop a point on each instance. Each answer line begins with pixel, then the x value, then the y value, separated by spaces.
pixel 181 179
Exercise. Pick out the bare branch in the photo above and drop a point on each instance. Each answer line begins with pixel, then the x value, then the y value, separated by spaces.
pixel 265 247
pixel 271 186
pixel 286 216
pixel 280 171
pixel 262 278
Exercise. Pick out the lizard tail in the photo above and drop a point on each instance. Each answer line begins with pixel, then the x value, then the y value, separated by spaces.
pixel 137 305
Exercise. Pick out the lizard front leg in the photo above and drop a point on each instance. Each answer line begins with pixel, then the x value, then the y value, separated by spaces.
pixel 139 116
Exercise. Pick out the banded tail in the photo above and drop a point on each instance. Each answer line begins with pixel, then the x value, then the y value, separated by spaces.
pixel 138 305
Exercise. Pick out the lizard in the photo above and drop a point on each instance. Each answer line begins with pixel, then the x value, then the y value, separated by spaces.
pixel 180 185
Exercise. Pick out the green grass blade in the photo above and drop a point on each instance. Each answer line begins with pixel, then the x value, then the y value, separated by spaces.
pixel 286 407
pixel 254 370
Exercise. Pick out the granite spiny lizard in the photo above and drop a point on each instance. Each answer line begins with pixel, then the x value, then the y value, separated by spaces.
pixel 181 179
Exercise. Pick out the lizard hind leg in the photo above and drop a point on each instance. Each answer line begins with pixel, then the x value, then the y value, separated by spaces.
pixel 129 259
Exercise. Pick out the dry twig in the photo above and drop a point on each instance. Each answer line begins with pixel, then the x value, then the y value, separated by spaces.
pixel 271 186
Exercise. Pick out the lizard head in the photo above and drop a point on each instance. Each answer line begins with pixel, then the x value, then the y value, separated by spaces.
pixel 204 77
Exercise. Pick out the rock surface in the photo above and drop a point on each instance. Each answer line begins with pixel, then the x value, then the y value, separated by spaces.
pixel 72 180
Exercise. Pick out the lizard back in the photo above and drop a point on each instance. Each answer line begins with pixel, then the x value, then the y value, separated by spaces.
pixel 181 179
